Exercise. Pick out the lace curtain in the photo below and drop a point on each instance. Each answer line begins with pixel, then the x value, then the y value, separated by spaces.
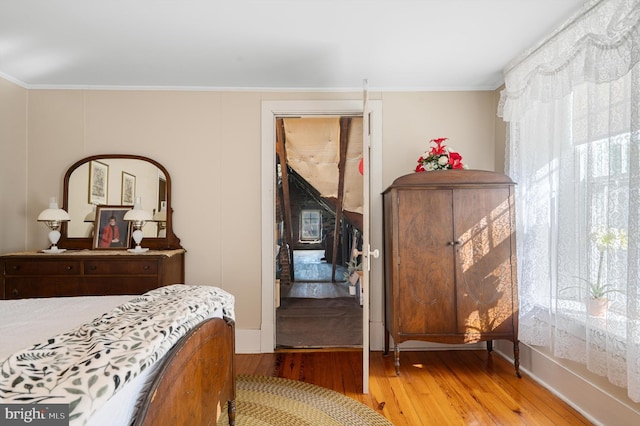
pixel 573 108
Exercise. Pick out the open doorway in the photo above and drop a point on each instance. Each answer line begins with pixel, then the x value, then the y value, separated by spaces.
pixel 318 226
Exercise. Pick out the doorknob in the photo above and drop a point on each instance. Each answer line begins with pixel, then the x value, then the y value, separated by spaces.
pixel 375 253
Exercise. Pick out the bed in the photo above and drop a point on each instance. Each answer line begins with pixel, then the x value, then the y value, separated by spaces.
pixel 165 357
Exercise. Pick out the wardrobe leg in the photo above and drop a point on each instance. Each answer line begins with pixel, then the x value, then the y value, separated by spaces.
pixel 397 359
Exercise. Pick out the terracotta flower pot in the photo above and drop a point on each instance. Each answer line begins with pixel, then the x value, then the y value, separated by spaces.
pixel 597 307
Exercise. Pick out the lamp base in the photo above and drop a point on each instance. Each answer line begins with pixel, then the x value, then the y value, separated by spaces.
pixel 138 249
pixel 53 250
pixel 54 237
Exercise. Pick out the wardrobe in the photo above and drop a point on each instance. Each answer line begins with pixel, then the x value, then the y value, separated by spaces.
pixel 450 259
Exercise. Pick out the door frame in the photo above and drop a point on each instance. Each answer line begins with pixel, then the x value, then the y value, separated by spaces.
pixel 271 110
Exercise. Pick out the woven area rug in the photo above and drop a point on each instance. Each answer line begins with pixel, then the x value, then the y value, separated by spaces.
pixel 273 401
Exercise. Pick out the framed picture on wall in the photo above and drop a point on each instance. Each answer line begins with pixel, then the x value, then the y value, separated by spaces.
pixel 98 182
pixel 128 189
pixel 111 230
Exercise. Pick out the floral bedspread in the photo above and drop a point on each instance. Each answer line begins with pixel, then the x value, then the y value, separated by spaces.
pixel 86 366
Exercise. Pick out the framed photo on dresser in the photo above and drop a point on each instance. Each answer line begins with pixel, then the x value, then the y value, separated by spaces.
pixel 112 232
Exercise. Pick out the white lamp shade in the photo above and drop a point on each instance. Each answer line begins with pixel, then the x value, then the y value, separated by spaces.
pixel 50 215
pixel 137 215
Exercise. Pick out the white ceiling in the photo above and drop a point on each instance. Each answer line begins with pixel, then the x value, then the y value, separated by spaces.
pixel 271 44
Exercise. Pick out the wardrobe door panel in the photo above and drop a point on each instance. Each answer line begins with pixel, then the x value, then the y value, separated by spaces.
pixel 483 260
pixel 426 287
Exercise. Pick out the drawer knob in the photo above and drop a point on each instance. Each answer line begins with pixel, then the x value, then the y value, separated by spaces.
pixel 145 267
pixel 16 267
pixel 15 292
pixel 93 267
pixel 69 267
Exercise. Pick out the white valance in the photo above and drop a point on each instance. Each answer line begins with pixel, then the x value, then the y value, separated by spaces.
pixel 599 44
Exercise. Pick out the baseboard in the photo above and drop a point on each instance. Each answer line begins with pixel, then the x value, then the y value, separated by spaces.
pixel 376 336
pixel 248 341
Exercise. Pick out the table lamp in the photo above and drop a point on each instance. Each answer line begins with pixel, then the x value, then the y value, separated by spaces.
pixel 137 216
pixel 53 218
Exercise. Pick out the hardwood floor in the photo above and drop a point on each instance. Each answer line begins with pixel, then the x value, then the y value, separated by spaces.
pixel 434 387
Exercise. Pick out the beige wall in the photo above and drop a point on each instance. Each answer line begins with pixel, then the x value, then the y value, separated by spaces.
pixel 13 166
pixel 412 119
pixel 210 142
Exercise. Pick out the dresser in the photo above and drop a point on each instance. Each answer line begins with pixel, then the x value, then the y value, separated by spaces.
pixel 450 259
pixel 88 273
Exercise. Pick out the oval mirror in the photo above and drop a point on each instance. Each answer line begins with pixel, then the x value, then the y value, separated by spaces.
pixel 117 180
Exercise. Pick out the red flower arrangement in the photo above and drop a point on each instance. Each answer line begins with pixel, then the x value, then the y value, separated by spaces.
pixel 439 158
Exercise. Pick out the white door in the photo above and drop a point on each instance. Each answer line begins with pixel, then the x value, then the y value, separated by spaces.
pixel 366 259
pixel 270 110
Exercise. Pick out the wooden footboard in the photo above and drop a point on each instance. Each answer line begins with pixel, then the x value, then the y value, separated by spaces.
pixel 196 380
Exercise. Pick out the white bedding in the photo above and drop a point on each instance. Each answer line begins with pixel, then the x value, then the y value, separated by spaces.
pixel 24 322
pixel 28 321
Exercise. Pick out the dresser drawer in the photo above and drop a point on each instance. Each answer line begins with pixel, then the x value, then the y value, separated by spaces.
pixel 27 287
pixel 42 267
pixel 96 285
pixel 120 267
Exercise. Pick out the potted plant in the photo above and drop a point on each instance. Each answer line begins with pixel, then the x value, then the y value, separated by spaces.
pixel 605 239
pixel 352 274
pixel 598 300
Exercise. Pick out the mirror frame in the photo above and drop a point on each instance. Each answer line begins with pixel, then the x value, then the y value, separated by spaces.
pixel 169 242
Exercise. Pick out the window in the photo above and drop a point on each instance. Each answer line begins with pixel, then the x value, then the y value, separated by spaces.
pixel 601 200
pixel 310 226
